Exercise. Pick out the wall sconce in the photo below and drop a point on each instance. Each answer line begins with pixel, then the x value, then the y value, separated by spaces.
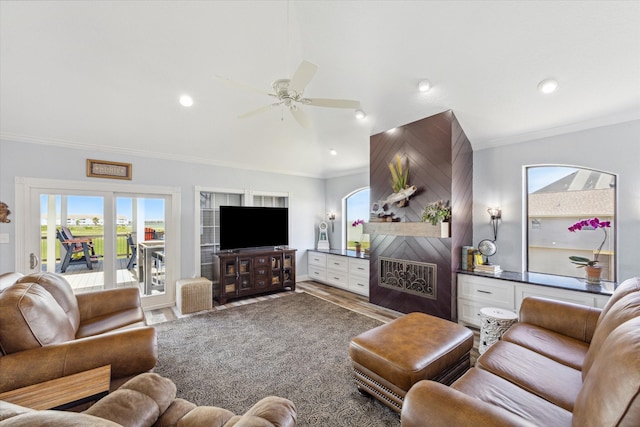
pixel 332 218
pixel 496 215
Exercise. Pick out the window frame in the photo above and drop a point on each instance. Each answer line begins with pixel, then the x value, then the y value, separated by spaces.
pixel 246 198
pixel 348 222
pixel 570 270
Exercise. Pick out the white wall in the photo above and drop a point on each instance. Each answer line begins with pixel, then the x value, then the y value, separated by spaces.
pixel 307 197
pixel 498 181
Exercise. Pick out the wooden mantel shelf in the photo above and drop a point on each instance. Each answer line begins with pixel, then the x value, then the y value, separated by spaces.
pixel 416 229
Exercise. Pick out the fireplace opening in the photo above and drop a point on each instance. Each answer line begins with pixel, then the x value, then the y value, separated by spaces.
pixel 413 277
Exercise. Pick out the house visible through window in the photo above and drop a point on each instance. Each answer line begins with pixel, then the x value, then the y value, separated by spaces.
pixel 357 207
pixel 557 198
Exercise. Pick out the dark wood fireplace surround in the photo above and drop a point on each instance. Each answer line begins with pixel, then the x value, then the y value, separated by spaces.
pixel 441 167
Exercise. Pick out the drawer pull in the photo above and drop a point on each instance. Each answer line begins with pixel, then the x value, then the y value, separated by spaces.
pixel 360 268
pixel 484 292
pixel 336 278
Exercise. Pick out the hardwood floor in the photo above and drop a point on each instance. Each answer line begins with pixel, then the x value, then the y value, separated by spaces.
pixel 349 300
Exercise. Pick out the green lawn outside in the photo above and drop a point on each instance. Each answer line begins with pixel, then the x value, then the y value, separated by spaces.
pixel 95 233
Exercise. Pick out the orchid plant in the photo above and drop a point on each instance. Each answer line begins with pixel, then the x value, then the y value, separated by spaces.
pixel 594 223
pixel 356 223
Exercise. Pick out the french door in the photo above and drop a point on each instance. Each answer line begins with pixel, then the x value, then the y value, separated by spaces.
pixel 101 236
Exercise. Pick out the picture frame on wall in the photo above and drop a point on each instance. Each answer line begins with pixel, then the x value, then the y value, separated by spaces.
pixel 107 169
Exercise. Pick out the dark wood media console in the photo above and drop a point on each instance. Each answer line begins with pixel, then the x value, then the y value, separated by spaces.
pixel 250 272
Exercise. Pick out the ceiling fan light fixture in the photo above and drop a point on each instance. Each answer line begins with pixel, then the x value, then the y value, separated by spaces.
pixel 360 114
pixel 186 101
pixel 548 86
pixel 424 85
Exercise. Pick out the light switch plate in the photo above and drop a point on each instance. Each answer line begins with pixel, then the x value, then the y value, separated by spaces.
pixel 4 237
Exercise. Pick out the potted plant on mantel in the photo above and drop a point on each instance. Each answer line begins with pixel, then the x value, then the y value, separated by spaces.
pixel 592 270
pixel 438 213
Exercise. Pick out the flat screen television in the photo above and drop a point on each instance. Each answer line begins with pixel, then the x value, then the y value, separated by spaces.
pixel 243 227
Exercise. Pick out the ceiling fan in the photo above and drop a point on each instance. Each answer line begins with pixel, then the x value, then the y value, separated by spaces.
pixel 289 94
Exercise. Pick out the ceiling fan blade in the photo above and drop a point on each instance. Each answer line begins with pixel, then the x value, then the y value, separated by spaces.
pixel 303 75
pixel 242 85
pixel 332 103
pixel 301 117
pixel 257 111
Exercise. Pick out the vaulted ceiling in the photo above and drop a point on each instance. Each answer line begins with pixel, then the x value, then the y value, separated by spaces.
pixel 107 75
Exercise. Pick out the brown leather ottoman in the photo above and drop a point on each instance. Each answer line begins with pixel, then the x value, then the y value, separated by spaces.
pixel 389 359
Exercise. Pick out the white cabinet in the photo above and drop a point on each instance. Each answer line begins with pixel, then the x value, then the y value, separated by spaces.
pixel 359 276
pixel 476 292
pixel 576 297
pixel 317 266
pixel 351 274
pixel 317 259
pixel 338 271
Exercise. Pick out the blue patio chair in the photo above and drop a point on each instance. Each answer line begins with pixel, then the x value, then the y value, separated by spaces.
pixel 134 252
pixel 73 247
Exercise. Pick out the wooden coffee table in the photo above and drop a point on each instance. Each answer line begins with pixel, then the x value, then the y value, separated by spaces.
pixel 64 392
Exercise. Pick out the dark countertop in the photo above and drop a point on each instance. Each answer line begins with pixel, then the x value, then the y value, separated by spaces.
pixel 342 252
pixel 560 282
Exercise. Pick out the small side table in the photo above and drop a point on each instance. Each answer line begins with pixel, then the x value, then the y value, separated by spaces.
pixel 493 323
pixel 63 392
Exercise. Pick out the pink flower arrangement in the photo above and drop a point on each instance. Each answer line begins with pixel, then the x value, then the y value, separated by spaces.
pixel 594 223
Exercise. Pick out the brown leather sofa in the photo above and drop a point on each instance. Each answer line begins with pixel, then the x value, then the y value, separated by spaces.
pixel 150 400
pixel 47 332
pixel 562 365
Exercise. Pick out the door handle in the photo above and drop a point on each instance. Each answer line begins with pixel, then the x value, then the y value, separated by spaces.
pixel 33 261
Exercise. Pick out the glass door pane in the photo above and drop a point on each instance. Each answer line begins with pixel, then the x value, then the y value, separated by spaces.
pixel 72 239
pixel 140 231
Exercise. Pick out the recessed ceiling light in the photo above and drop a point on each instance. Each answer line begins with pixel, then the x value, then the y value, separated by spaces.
pixel 424 85
pixel 360 114
pixel 548 86
pixel 186 101
pixel 333 152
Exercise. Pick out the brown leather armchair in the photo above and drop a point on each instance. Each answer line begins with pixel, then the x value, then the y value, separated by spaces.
pixel 47 332
pixel 149 399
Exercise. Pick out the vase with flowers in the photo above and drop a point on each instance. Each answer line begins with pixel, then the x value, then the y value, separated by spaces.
pixel 438 213
pixel 593 271
pixel 358 223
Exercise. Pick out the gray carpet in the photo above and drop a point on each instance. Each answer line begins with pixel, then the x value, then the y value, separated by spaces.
pixel 296 346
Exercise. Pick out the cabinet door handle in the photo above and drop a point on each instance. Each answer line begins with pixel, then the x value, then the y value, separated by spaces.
pixel 484 292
